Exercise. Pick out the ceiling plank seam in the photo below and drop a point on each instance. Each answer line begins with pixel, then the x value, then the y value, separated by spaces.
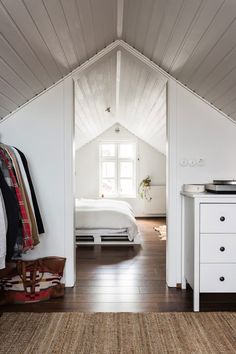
pixel 118 72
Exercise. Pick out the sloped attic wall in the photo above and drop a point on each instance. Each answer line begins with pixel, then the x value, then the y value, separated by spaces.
pixel 149 162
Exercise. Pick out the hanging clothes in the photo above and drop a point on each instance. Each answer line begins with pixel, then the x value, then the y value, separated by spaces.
pixel 24 194
pixel 14 225
pixel 33 195
pixel 3 232
pixel 23 174
pixel 20 218
pixel 26 223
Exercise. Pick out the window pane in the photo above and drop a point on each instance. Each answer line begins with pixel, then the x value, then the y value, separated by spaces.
pixel 126 151
pixel 108 169
pixel 126 169
pixel 126 187
pixel 108 150
pixel 108 187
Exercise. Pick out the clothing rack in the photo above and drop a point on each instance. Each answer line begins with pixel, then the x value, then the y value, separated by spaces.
pixel 20 217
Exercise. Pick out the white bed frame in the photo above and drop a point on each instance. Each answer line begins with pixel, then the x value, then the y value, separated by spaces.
pixel 92 237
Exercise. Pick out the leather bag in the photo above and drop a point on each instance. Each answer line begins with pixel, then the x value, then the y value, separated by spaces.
pixel 27 281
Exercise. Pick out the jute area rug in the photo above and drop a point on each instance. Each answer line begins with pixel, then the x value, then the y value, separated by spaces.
pixel 113 333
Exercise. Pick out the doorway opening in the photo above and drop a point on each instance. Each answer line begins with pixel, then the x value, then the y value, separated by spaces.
pixel 120 162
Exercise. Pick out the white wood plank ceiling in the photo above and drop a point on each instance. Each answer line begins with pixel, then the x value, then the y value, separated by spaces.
pixel 43 40
pixel 193 40
pixel 142 102
pixel 134 94
pixel 95 95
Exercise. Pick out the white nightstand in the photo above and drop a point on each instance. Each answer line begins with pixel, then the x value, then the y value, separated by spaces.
pixel 208 243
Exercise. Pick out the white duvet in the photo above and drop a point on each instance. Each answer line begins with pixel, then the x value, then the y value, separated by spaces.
pixel 105 214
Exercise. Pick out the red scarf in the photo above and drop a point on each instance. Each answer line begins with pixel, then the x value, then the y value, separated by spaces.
pixel 27 232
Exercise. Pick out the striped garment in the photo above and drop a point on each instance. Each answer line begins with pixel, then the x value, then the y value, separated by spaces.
pixel 3 232
pixel 26 228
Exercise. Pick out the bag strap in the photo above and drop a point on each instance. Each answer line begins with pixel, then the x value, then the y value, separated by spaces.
pixel 22 269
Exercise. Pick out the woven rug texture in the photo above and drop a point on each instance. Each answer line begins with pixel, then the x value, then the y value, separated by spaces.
pixel 118 333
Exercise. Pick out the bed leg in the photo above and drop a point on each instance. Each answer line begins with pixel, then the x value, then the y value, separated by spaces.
pixel 97 239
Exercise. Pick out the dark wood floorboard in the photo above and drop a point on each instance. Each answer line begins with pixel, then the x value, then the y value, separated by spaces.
pixel 127 278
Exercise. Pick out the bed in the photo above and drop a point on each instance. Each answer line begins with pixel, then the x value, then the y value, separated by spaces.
pixel 105 221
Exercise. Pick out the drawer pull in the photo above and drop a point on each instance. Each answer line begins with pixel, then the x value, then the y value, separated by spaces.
pixel 222 249
pixel 222 278
pixel 222 218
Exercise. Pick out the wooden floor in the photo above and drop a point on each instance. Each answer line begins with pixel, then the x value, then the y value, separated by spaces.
pixel 127 278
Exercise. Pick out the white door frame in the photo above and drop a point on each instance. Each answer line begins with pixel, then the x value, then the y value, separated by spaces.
pixel 171 273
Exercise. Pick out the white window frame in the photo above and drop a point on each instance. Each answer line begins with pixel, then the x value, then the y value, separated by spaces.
pixel 117 161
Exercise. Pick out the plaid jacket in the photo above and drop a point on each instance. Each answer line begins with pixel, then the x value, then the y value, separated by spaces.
pixel 18 247
pixel 26 228
pixel 25 195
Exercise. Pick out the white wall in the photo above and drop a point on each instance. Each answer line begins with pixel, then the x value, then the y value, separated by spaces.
pixel 196 130
pixel 43 131
pixel 151 162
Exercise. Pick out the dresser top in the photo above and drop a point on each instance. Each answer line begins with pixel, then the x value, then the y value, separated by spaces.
pixel 207 195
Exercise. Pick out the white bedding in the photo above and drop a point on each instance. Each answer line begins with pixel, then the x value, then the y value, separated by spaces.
pixel 105 214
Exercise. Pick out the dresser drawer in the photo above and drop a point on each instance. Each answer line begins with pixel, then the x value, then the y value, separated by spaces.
pixel 218 218
pixel 217 278
pixel 218 248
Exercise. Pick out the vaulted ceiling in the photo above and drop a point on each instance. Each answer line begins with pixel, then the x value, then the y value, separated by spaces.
pixel 119 88
pixel 95 91
pixel 43 40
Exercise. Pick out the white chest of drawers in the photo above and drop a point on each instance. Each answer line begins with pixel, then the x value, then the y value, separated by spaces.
pixel 208 243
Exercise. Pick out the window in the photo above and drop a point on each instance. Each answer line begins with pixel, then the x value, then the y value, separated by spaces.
pixel 118 169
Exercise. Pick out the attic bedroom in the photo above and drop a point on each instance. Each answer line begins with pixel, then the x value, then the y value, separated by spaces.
pixel 120 137
pixel 117 176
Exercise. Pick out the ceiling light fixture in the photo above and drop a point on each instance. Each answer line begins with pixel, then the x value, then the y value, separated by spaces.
pixel 117 129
